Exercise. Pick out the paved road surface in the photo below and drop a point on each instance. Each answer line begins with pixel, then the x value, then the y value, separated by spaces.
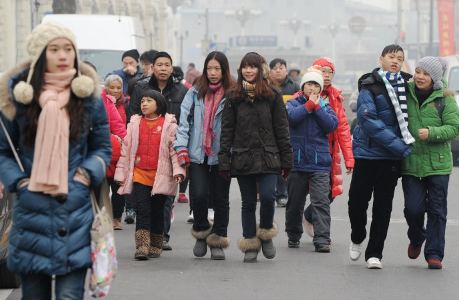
pixel 294 273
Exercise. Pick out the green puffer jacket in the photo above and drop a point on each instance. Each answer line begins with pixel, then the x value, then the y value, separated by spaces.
pixel 433 156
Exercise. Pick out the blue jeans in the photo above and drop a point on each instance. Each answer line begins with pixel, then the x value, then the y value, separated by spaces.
pixel 67 287
pixel 281 188
pixel 248 187
pixel 428 194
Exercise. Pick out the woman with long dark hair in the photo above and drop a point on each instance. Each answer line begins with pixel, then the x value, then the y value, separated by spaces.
pixel 57 122
pixel 197 145
pixel 255 148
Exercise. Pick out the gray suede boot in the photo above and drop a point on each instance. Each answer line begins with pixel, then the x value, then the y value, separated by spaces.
pixel 200 247
pixel 250 248
pixel 216 244
pixel 266 237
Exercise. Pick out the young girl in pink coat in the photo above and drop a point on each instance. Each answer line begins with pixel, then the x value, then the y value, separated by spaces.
pixel 149 169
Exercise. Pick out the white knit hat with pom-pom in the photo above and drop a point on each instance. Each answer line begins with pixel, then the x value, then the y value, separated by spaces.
pixel 313 75
pixel 82 86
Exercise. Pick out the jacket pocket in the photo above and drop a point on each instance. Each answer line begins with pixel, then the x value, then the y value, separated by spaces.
pixel 272 158
pixel 322 156
pixel 241 159
pixel 439 161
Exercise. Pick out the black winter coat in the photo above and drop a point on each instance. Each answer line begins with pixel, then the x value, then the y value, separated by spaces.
pixel 255 137
pixel 173 92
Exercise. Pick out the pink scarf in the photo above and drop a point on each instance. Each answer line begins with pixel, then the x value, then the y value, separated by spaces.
pixel 51 154
pixel 211 103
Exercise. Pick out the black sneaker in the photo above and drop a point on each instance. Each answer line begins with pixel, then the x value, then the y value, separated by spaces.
pixel 166 246
pixel 281 202
pixel 293 244
pixel 130 216
pixel 323 248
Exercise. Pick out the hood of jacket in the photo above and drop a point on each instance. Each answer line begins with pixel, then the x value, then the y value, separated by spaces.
pixel 373 77
pixel 11 77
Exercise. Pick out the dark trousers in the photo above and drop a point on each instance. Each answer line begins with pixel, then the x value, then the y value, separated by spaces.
pixel 428 194
pixel 168 206
pixel 308 210
pixel 117 199
pixel 150 209
pixel 67 287
pixel 377 177
pixel 281 188
pixel 208 187
pixel 129 202
pixel 248 187
pixel 183 185
pixel 300 184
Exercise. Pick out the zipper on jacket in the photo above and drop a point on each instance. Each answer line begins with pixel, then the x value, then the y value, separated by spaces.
pixel 299 155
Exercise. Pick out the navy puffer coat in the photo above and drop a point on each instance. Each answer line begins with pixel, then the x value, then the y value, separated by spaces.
pixel 51 235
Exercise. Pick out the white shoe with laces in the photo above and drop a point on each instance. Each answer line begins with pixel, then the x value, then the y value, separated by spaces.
pixel 354 251
pixel 374 263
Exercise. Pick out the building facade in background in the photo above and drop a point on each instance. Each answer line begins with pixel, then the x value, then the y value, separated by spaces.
pixel 18 17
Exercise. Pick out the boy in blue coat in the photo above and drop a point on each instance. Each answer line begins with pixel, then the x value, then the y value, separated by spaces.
pixel 381 140
pixel 311 119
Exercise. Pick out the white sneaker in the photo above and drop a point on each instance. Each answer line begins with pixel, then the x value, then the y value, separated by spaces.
pixel 210 215
pixel 374 263
pixel 309 228
pixel 190 218
pixel 354 251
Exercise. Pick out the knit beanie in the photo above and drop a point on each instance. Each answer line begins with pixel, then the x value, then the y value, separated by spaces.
pixel 313 75
pixel 131 53
pixel 436 67
pixel 82 86
pixel 324 62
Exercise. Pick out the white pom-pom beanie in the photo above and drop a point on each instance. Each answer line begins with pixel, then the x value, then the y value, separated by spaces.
pixel 82 86
pixel 313 75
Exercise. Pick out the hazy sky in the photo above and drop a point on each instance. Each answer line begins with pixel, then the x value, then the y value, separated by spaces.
pixel 381 3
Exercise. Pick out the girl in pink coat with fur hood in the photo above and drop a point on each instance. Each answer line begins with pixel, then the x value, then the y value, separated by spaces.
pixel 148 168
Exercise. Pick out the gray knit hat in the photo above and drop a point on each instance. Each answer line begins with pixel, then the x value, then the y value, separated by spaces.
pixel 436 67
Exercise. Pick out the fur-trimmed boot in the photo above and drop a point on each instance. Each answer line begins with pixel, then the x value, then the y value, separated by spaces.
pixel 266 237
pixel 216 244
pixel 142 244
pixel 156 245
pixel 250 248
pixel 200 247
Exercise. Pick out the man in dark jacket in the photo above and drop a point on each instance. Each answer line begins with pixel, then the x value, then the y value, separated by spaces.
pixel 286 86
pixel 130 70
pixel 162 81
pixel 381 141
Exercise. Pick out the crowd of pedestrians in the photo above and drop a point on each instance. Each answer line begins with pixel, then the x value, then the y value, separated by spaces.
pixel 153 128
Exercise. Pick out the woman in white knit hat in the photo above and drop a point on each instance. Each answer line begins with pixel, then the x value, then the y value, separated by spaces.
pixel 57 123
pixel 434 122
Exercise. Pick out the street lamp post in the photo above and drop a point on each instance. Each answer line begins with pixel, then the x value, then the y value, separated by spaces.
pixel 181 37
pixel 295 25
pixel 242 15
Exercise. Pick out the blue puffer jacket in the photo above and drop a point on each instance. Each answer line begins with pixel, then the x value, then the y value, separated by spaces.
pixel 309 135
pixel 190 136
pixel 377 134
pixel 51 235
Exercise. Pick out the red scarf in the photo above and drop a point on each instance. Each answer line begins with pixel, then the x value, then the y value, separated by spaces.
pixel 211 103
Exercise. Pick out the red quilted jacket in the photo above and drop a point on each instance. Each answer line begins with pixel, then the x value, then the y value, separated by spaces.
pixel 339 139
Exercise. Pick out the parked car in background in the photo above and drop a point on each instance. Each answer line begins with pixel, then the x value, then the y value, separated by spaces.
pixel 8 280
pixel 452 78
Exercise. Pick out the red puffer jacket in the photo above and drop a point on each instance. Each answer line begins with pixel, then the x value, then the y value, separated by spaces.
pixel 116 153
pixel 117 126
pixel 339 139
